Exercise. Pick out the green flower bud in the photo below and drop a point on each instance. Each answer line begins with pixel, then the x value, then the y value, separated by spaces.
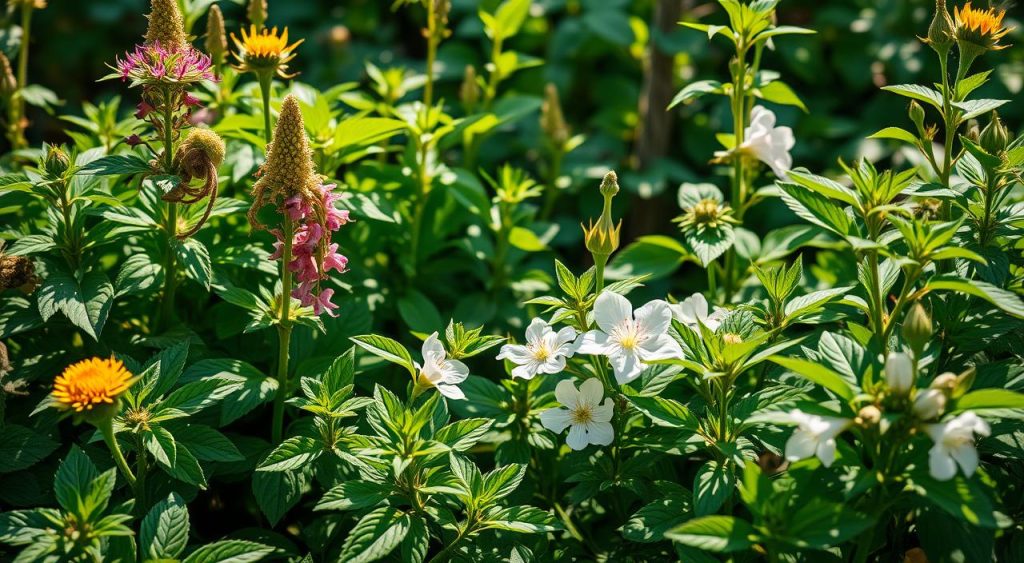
pixel 917 328
pixel 602 239
pixel 916 113
pixel 56 162
pixel 995 136
pixel 257 13
pixel 941 30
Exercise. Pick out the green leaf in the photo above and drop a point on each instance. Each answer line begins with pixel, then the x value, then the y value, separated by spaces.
pixel 463 434
pixel 117 164
pixel 712 486
pixel 815 208
pixel 666 412
pixel 291 454
pixel 997 296
pixel 376 535
pixel 523 519
pixel 196 259
pixel 186 468
pixel 650 523
pixel 655 256
pixel 22 447
pixel 919 93
pixel 419 312
pixel 715 533
pixel 276 492
pixel 386 348
pixel 161 443
pixel 361 131
pixel 974 108
pixel 990 399
pixel 139 274
pixel 819 374
pixel 354 495
pixel 526 240
pixel 895 133
pixel 73 478
pixel 229 551
pixel 780 93
pixel 695 90
pixel 86 305
pixel 819 524
pixel 208 444
pixel 164 530
pixel 960 497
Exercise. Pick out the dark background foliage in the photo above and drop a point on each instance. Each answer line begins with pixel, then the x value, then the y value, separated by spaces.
pixel 593 51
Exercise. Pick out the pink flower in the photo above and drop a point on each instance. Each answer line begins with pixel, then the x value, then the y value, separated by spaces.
pixel 335 261
pixel 143 110
pixel 133 140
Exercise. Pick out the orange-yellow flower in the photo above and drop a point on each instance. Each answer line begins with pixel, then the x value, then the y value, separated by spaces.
pixel 981 27
pixel 91 383
pixel 264 50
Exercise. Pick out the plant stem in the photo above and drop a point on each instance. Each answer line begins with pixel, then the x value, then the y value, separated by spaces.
pixel 17 130
pixel 551 189
pixel 421 204
pixel 266 80
pixel 428 88
pixel 284 333
pixel 738 197
pixel 141 468
pixel 600 260
pixel 106 428
pixel 171 222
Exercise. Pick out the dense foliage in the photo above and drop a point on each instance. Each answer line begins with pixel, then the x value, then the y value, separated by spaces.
pixel 351 315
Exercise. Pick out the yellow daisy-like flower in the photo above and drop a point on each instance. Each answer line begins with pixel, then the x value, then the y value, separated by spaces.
pixel 264 50
pixel 91 383
pixel 983 28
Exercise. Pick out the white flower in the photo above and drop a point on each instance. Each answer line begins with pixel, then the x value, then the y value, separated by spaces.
pixel 929 404
pixel 545 350
pixel 815 435
pixel 899 373
pixel 587 419
pixel 768 143
pixel 694 309
pixel 440 372
pixel 629 338
pixel 954 445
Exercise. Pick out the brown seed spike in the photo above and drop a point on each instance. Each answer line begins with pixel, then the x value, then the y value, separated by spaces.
pixel 166 25
pixel 216 36
pixel 289 169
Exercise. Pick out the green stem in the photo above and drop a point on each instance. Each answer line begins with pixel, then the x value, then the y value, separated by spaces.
pixel 284 333
pixel 266 80
pixel 551 189
pixel 600 261
pixel 712 282
pixel 494 79
pixel 18 132
pixel 141 469
pixel 106 428
pixel 171 217
pixel 738 197
pixel 428 88
pixel 421 204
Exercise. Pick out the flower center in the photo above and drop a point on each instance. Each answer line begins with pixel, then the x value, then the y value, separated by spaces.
pixel 706 211
pixel 541 352
pixel 628 335
pixel 730 338
pixel 582 414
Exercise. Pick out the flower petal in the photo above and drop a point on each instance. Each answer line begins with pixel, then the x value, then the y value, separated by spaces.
pixel 515 353
pixel 594 342
pixel 801 445
pixel 600 433
pixel 566 393
pixel 525 371
pixel 661 347
pixel 536 331
pixel 941 464
pixel 577 438
pixel 591 392
pixel 611 310
pixel 627 366
pixel 654 318
pixel 451 391
pixel 432 348
pixel 826 451
pixel 456 372
pixel 556 420
pixel 604 413
pixel 967 457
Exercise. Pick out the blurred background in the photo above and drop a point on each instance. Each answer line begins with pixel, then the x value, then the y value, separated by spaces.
pixel 596 53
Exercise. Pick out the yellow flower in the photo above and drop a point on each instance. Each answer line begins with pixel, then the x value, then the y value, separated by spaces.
pixel 265 51
pixel 91 383
pixel 982 28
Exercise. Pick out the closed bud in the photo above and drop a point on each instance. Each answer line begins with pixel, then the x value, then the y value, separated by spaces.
pixel 899 373
pixel 929 404
pixel 973 131
pixel 56 162
pixel 602 239
pixel 964 382
pixel 257 13
pixel 552 121
pixel 469 92
pixel 869 415
pixel 940 32
pixel 995 136
pixel 916 113
pixel 917 328
pixel 216 36
pixel 8 83
pixel 944 382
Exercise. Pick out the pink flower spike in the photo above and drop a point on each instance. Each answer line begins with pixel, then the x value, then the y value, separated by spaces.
pixel 323 303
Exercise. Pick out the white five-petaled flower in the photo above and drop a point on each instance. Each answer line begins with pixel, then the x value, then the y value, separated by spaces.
pixel 694 309
pixel 899 373
pixel 815 436
pixel 954 445
pixel 587 419
pixel 545 350
pixel 768 143
pixel 629 338
pixel 439 371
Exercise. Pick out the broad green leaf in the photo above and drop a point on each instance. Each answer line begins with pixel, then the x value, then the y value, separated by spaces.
pixel 376 535
pixel 229 551
pixel 291 454
pixel 817 373
pixel 715 533
pixel 164 530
